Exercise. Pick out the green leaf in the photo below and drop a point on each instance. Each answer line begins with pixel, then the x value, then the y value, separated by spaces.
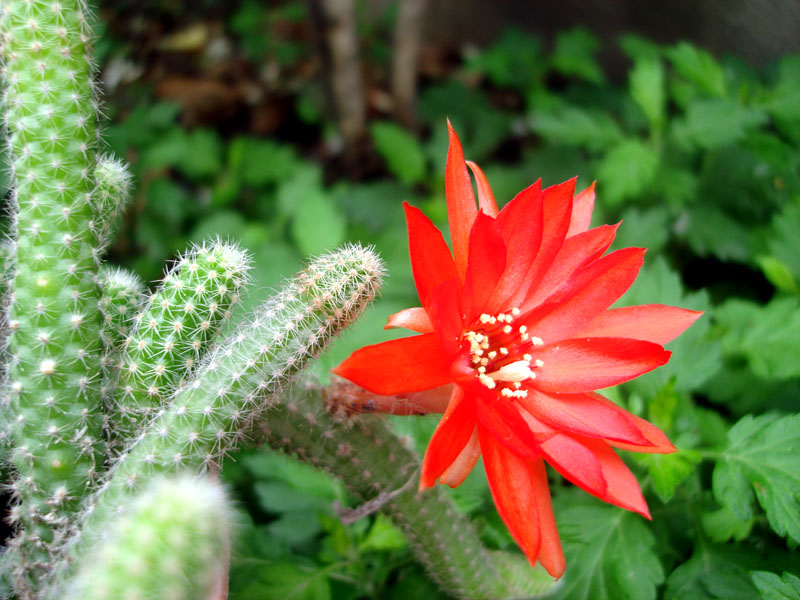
pixel 262 162
pixel 761 463
pixel 764 335
pixel 202 155
pixel 698 67
pixel 778 273
pixel 574 126
pixel 668 471
pixel 574 55
pixel 401 151
pixel 383 535
pixel 290 582
pixel 710 124
pixel 637 47
pixel 773 587
pixel 644 228
pixel 513 61
pixel 784 243
pixel 711 232
pixel 610 554
pixel 626 170
pixel 713 573
pixel 318 224
pixel 646 84
pixel 722 525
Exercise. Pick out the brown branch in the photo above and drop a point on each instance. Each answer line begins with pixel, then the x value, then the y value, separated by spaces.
pixel 405 55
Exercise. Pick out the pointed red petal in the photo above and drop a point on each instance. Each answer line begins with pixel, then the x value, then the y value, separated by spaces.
pixel 409 364
pixel 521 224
pixel 507 425
pixel 590 291
pixel 415 319
pixel 582 207
pixel 570 458
pixel 576 252
pixel 486 201
pixel 487 261
pixel 431 261
pixel 623 489
pixel 583 414
pixel 551 556
pixel 462 466
pixel 657 441
pixel 556 211
pixel 461 207
pixel 449 439
pixel 655 323
pixel 514 491
pixel 445 314
pixel 588 364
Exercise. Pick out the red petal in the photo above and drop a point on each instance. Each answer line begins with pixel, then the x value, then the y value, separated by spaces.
pixel 657 441
pixel 486 201
pixel 521 224
pixel 449 439
pixel 655 323
pixel 623 489
pixel 505 423
pixel 570 458
pixel 590 291
pixel 551 556
pixel 487 261
pixel 431 261
pixel 415 319
pixel 409 364
pixel 585 415
pixel 587 364
pixel 353 398
pixel 582 207
pixel 514 490
pixel 462 466
pixel 556 211
pixel 445 313
pixel 461 208
pixel 576 252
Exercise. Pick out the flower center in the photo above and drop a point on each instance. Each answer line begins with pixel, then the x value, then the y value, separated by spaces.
pixel 501 353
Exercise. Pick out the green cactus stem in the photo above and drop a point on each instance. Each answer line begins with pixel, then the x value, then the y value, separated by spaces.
pixel 54 320
pixel 174 330
pixel 171 545
pixel 110 199
pixel 377 467
pixel 238 380
pixel 123 297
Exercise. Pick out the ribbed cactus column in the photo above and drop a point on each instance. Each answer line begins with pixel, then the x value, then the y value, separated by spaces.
pixel 174 330
pixel 238 380
pixel 171 545
pixel 54 318
pixel 377 468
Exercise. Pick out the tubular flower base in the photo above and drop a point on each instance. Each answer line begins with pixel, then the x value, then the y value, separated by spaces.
pixel 516 321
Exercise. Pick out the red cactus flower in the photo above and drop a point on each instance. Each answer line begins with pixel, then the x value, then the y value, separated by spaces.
pixel 517 322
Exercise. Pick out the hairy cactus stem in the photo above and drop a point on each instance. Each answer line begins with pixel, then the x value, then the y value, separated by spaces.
pixel 373 462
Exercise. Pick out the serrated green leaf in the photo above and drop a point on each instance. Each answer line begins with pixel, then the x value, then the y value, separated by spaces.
pixel 773 587
pixel 764 335
pixel 643 228
pixel 318 223
pixel 761 462
pixel 784 241
pixel 626 170
pixel 668 471
pixel 778 273
pixel 710 124
pixel 202 156
pixel 573 126
pixel 262 162
pixel 698 67
pixel 711 232
pixel 610 555
pixel 722 525
pixel 713 573
pixel 574 55
pixel 383 535
pixel 288 582
pixel 401 151
pixel 646 85
pixel 513 61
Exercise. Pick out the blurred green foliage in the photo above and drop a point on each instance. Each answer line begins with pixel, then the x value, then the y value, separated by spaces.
pixel 698 156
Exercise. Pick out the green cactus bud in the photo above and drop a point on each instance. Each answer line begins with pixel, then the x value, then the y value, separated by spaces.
pixel 54 319
pixel 171 544
pixel 174 331
pixel 239 379
pixel 379 469
pixel 110 198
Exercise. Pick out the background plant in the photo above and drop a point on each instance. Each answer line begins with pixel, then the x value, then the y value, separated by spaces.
pixel 698 154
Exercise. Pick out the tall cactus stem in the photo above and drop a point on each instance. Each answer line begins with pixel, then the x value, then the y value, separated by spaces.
pixel 238 380
pixel 169 545
pixel 54 319
pixel 174 330
pixel 372 461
